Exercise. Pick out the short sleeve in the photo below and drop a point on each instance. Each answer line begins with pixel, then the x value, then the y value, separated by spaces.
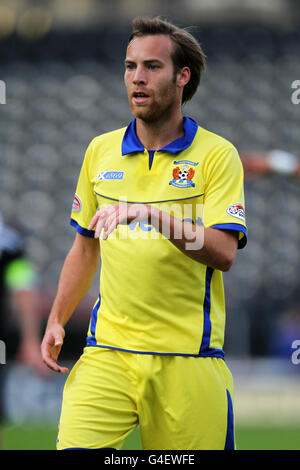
pixel 224 201
pixel 84 202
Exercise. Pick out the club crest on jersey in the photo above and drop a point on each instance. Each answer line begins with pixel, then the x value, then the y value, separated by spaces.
pixel 76 207
pixel 236 210
pixel 183 174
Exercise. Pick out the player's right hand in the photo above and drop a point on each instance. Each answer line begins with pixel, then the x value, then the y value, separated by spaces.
pixel 51 346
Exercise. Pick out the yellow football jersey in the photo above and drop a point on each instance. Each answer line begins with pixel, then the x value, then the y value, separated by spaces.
pixel 153 298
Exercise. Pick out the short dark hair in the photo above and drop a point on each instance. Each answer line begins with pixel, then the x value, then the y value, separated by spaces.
pixel 187 51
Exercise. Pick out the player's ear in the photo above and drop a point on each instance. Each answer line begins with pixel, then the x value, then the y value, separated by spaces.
pixel 183 76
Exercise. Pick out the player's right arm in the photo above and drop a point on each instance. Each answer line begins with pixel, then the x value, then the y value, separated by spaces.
pixel 76 276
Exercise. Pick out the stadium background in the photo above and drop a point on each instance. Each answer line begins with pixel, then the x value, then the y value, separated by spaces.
pixel 62 63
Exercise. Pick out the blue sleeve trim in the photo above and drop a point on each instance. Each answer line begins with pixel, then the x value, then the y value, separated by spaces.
pixel 240 228
pixel 81 230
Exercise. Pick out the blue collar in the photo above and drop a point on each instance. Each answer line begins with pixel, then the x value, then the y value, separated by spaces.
pixel 131 143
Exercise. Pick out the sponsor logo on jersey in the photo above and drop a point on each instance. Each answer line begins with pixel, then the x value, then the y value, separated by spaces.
pixel 183 174
pixel 236 210
pixel 111 175
pixel 76 207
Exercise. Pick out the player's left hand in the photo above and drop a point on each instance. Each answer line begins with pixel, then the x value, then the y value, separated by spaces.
pixel 111 216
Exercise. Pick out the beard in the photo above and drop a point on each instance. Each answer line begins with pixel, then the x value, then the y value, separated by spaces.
pixel 154 113
pixel 160 108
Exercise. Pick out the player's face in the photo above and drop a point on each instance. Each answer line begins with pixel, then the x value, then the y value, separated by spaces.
pixel 149 77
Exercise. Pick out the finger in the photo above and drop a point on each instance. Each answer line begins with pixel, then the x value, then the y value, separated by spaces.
pixel 58 340
pixel 54 366
pixel 110 225
pixel 63 370
pixel 102 213
pixel 119 216
pixel 50 341
pixel 99 226
pixel 50 353
pixel 109 213
pixel 102 217
pixel 94 220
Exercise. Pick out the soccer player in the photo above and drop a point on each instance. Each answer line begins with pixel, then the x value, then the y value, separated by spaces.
pixel 18 293
pixel 162 200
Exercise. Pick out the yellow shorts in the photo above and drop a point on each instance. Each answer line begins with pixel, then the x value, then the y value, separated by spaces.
pixel 179 402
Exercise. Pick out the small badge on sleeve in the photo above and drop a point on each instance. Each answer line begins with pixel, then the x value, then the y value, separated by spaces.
pixel 236 210
pixel 76 207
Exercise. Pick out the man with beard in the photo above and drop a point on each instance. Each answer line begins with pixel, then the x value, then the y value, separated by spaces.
pixel 164 197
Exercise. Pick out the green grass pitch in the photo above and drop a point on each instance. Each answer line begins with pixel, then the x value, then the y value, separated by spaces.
pixel 32 437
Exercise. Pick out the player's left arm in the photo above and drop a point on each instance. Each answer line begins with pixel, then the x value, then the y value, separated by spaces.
pixel 209 246
pixel 214 243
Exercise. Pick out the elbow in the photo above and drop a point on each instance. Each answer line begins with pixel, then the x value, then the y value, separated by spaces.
pixel 225 267
pixel 226 262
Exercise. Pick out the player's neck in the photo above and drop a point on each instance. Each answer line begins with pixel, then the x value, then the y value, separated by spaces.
pixel 156 135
